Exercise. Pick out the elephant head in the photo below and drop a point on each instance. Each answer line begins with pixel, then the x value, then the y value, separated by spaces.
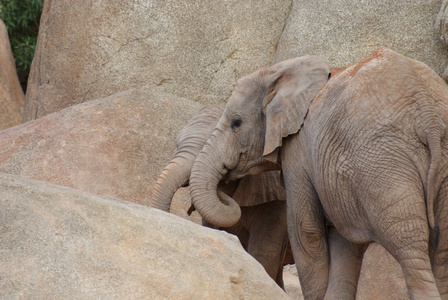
pixel 249 191
pixel 265 107
pixel 190 141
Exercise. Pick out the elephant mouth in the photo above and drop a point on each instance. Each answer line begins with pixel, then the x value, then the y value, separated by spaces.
pixel 235 172
pixel 248 166
pixel 232 175
pixel 241 170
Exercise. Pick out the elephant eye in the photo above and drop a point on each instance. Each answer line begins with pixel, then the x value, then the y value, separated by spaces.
pixel 236 123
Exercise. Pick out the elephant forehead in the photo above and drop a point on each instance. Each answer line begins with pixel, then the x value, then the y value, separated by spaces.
pixel 246 95
pixel 248 109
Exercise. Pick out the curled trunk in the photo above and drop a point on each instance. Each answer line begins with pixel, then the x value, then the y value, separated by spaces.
pixel 174 176
pixel 189 143
pixel 214 206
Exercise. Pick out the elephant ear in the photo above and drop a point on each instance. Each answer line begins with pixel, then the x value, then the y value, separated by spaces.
pixel 290 87
pixel 261 188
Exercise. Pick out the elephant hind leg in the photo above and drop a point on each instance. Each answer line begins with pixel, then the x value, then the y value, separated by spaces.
pixel 402 229
pixel 439 255
pixel 418 275
pixel 440 269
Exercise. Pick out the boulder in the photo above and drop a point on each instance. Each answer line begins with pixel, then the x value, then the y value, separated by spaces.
pixel 194 49
pixel 442 23
pixel 61 243
pixel 442 29
pixel 115 146
pixel 344 32
pixel 381 276
pixel 11 94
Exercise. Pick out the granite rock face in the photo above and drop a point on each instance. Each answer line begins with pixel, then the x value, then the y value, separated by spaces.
pixel 441 27
pixel 344 32
pixel 442 23
pixel 11 94
pixel 381 276
pixel 198 50
pixel 193 49
pixel 60 243
pixel 115 146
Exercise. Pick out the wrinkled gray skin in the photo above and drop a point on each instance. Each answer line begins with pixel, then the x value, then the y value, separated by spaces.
pixel 262 229
pixel 371 157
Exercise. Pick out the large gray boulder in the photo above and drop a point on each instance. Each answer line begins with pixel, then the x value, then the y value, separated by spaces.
pixel 345 31
pixel 11 94
pixel 381 276
pixel 193 49
pixel 115 146
pixel 442 23
pixel 442 28
pixel 60 243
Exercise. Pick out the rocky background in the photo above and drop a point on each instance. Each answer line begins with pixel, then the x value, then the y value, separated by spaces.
pixel 111 85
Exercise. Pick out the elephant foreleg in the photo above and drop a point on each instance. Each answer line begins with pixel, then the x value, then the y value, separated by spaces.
pixel 306 227
pixel 268 240
pixel 345 266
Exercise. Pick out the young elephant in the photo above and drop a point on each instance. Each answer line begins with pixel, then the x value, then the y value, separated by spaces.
pixel 368 154
pixel 262 228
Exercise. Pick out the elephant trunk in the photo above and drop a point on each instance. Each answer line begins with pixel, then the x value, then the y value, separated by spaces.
pixel 175 175
pixel 213 205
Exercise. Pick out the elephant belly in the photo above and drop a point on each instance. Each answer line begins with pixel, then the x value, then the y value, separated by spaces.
pixel 351 222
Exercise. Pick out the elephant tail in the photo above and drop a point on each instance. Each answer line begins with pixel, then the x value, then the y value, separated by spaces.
pixel 433 139
pixel 430 128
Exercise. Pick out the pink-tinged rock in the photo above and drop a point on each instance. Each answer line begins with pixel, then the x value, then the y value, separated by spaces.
pixel 11 94
pixel 193 49
pixel 115 146
pixel 61 243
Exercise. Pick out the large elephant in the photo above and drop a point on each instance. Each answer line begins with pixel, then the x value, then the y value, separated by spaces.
pixel 262 228
pixel 365 150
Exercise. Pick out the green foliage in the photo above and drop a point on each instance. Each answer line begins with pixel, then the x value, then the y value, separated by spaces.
pixel 21 18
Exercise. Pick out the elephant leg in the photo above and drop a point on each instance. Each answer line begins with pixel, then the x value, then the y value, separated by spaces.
pixel 306 228
pixel 345 266
pixel 440 265
pixel 417 272
pixel 268 239
pixel 439 248
pixel 402 229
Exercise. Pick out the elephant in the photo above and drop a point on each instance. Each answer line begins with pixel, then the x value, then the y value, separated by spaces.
pixel 364 150
pixel 262 229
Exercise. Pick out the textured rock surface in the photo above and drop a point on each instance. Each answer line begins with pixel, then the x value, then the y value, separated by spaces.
pixel 115 146
pixel 442 23
pixel 344 31
pixel 381 276
pixel 199 49
pixel 194 49
pixel 11 94
pixel 442 28
pixel 60 243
